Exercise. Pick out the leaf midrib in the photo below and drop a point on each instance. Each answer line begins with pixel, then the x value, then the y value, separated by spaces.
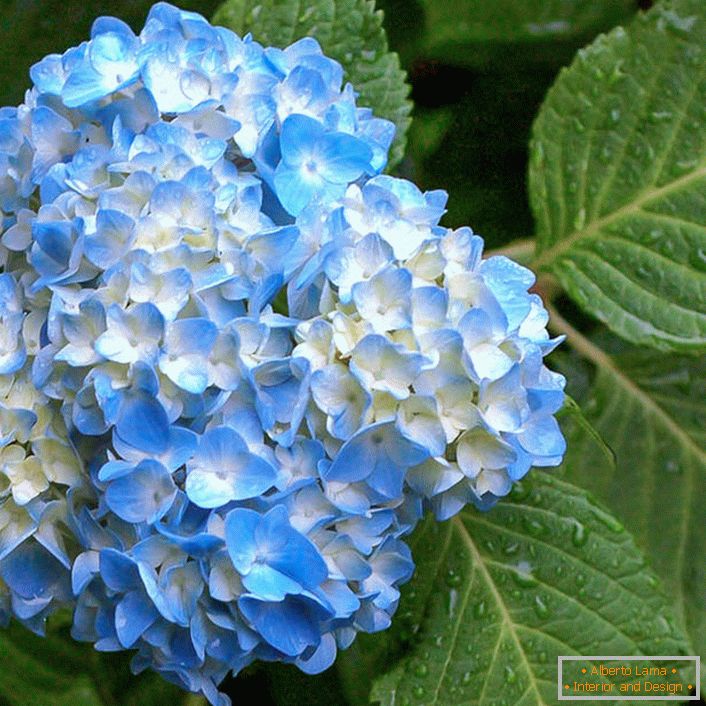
pixel 548 256
pixel 604 362
pixel 507 620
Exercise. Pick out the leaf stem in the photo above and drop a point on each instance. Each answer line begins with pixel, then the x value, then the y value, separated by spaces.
pixel 522 250
pixel 559 325
pixel 582 345
pixel 550 254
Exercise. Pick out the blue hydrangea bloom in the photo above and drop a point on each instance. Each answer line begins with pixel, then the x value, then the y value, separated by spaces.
pixel 202 478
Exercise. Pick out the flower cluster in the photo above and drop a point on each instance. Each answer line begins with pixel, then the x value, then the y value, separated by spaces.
pixel 206 474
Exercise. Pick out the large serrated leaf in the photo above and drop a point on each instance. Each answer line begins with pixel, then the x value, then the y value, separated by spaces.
pixel 650 408
pixel 349 31
pixel 618 178
pixel 493 32
pixel 546 573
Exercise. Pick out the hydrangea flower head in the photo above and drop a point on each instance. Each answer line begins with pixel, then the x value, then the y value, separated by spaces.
pixel 204 479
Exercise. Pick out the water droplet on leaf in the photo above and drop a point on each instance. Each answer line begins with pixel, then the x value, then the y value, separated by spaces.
pixel 579 535
pixel 540 607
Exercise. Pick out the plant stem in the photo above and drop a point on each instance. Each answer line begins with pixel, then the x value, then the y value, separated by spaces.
pixel 521 250
pixel 559 325
pixel 582 345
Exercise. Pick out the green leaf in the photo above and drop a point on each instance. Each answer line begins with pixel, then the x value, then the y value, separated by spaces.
pixel 30 30
pixel 349 31
pixel 650 409
pixel 573 411
pixel 617 178
pixel 44 671
pixel 493 32
pixel 547 572
pixel 57 671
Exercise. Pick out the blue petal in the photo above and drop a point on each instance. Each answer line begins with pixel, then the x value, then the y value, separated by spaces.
pixel 133 615
pixel 298 137
pixel 84 85
pixel 290 626
pixel 269 584
pixel 144 495
pixel 112 239
pixel 142 422
pixel 343 158
pixel 322 658
pixel 294 189
pixel 119 572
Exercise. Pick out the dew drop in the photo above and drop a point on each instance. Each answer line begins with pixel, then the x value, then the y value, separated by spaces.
pixel 686 165
pixel 579 535
pixel 418 692
pixel 540 607
pixel 578 125
pixel 580 219
pixel 523 575
pixel 479 609
pixel 453 600
pixel 609 521
pixel 672 466
pixel 660 116
pixel 421 670
pixel 534 527
pixel 510 675
pixel 617 72
pixel 452 578
pixel 670 20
